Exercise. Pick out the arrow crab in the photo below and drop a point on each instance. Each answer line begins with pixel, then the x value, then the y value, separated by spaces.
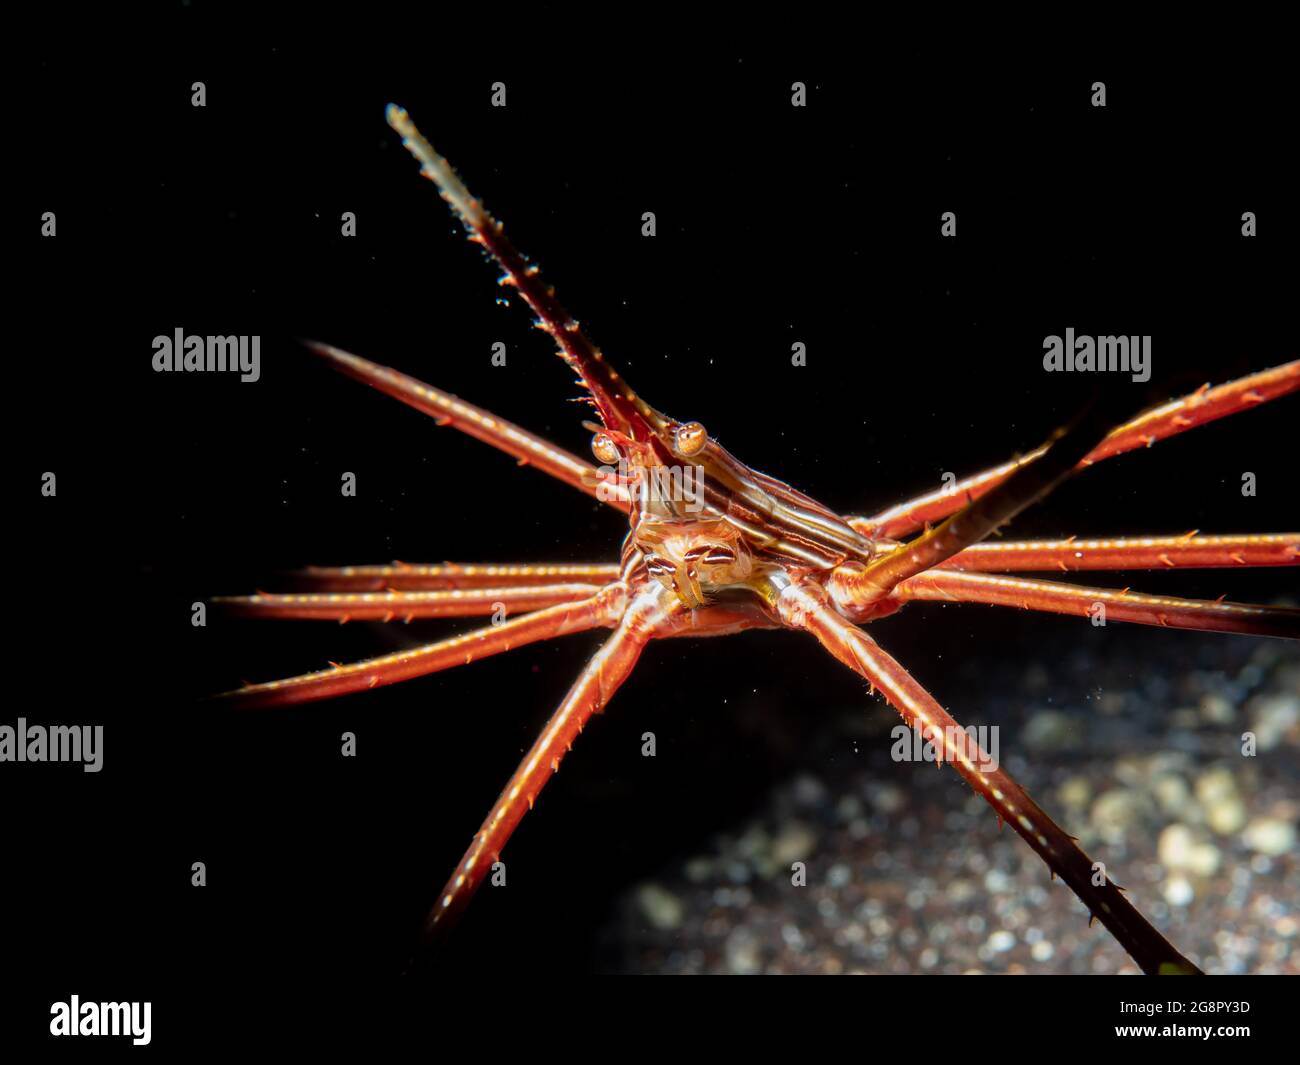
pixel 716 548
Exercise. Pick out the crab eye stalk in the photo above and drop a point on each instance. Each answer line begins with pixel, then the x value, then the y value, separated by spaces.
pixel 690 438
pixel 604 449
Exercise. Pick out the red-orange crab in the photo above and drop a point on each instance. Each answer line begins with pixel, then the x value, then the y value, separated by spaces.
pixel 716 548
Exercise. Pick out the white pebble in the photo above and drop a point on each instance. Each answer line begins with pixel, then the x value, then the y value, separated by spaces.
pixel 1178 891
pixel 1271 836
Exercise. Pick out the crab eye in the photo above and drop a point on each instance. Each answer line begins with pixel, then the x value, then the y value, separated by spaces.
pixel 690 438
pixel 604 450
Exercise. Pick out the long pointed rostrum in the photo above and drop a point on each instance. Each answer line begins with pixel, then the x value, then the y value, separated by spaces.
pixel 620 408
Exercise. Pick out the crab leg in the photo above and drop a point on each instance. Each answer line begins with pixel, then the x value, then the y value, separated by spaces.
pixel 603 609
pixel 1153 552
pixel 526 447
pixel 1205 405
pixel 646 617
pixel 802 608
pixel 409 577
pixel 953 586
pixel 404 606
pixel 973 522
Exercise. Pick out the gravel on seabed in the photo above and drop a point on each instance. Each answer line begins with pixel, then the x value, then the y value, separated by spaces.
pixel 908 872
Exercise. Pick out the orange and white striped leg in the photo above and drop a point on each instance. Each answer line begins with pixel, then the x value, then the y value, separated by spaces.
pixel 448 576
pixel 1149 552
pixel 974 521
pixel 805 608
pixel 403 606
pixel 603 609
pixel 647 616
pixel 527 448
pixel 1202 406
pixel 953 586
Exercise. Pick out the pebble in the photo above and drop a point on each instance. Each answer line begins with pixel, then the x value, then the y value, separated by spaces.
pixel 1178 891
pixel 1217 710
pixel 809 791
pixel 1115 812
pixel 1048 730
pixel 1226 816
pixel 1180 850
pixel 698 870
pixel 1075 793
pixel 1225 813
pixel 961 890
pixel 744 955
pixel 996 881
pixel 1272 717
pixel 1214 784
pixel 738 872
pixel 1172 794
pixel 886 799
pixel 849 808
pixel 1271 836
pixel 796 843
pixel 660 907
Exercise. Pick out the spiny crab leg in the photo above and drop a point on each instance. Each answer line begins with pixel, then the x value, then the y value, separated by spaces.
pixel 647 616
pixel 1189 551
pixel 954 586
pixel 403 606
pixel 528 448
pixel 1170 419
pixel 974 521
pixel 803 607
pixel 411 577
pixel 1149 552
pixel 602 610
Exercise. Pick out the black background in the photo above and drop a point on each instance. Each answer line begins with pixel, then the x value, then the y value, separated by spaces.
pixel 775 225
